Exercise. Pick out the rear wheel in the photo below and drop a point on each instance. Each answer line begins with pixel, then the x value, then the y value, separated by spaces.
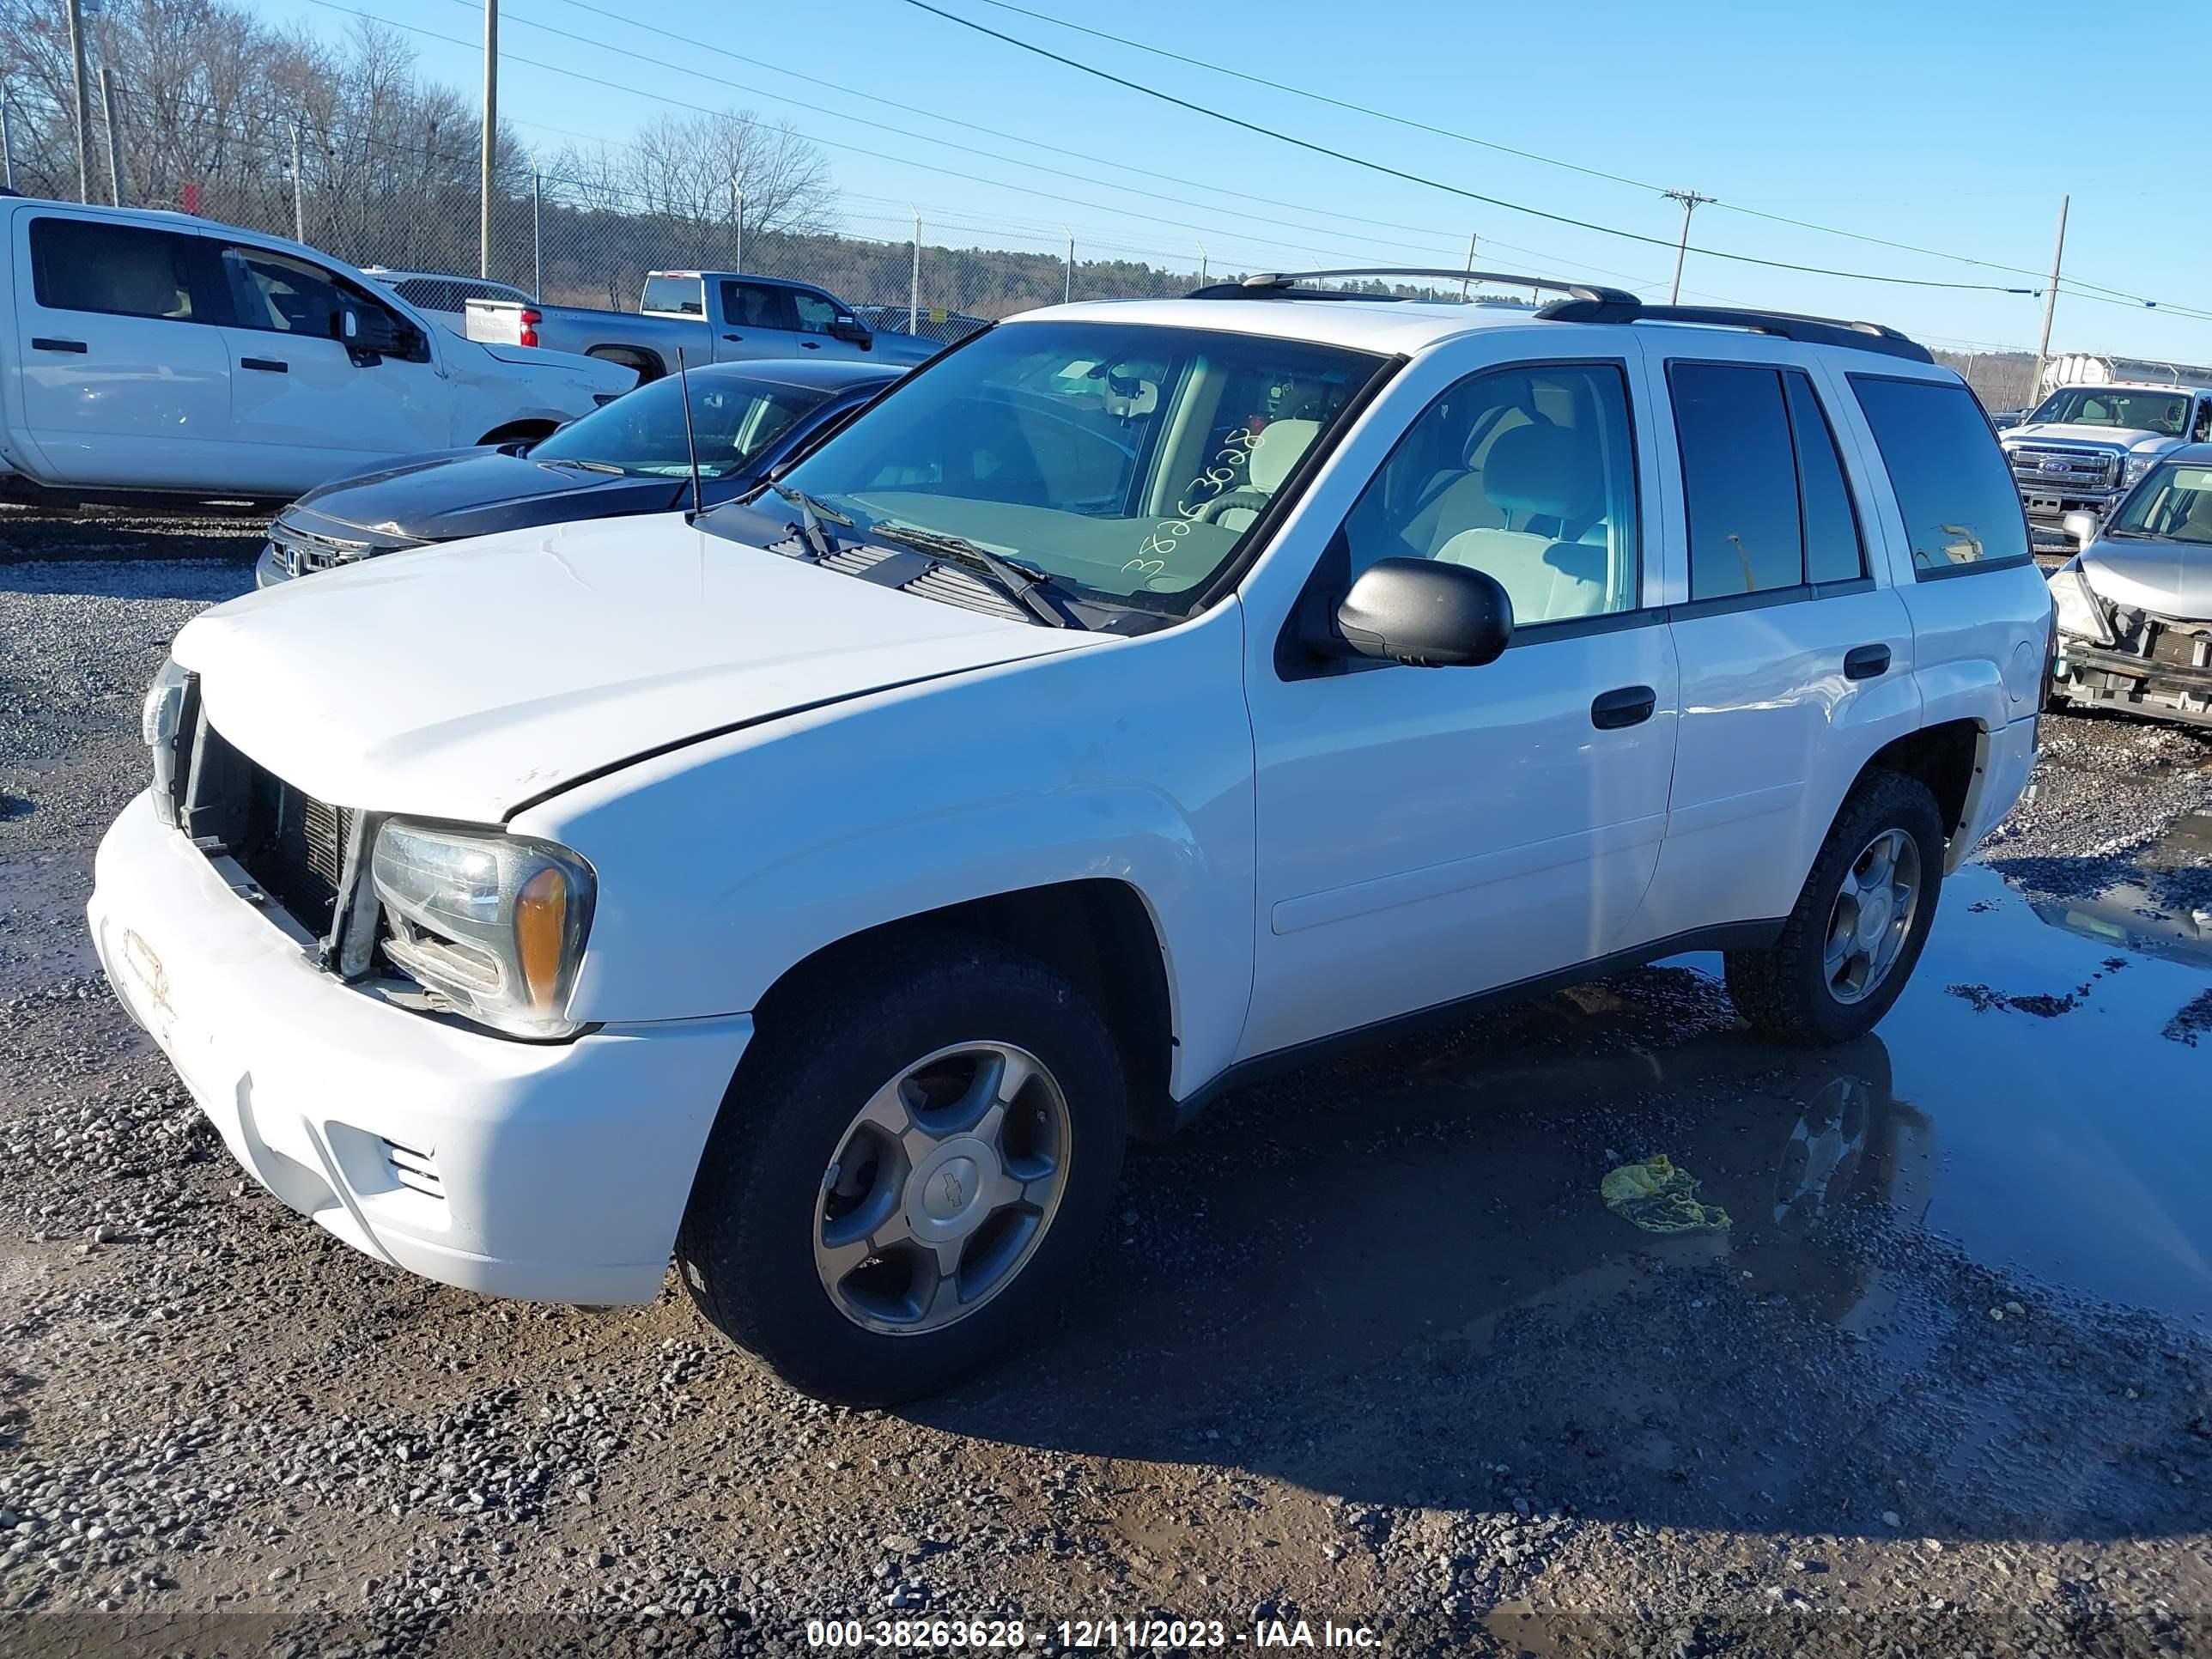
pixel 908 1172
pixel 1859 924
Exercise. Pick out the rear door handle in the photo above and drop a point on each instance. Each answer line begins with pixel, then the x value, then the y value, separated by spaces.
pixel 812 345
pixel 270 365
pixel 40 343
pixel 733 336
pixel 1632 705
pixel 1864 662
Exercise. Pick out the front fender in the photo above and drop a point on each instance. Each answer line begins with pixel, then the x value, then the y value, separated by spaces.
pixel 723 864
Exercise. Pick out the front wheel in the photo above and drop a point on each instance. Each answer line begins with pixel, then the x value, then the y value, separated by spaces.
pixel 908 1172
pixel 1859 924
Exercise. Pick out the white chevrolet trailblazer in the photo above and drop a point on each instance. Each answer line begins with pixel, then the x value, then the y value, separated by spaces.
pixel 1139 697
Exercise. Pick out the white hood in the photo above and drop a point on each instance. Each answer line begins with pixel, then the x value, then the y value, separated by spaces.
pixel 2168 578
pixel 460 681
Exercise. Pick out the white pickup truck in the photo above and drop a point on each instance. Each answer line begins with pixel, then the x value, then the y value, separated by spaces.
pixel 155 354
pixel 710 316
pixel 1139 697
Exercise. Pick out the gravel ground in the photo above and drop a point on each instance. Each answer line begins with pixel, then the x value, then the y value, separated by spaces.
pixel 1364 1348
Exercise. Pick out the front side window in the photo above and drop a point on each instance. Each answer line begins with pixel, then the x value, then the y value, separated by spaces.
pixel 815 313
pixel 83 264
pixel 1126 461
pixel 1953 488
pixel 2130 409
pixel 2174 504
pixel 1768 505
pixel 2202 432
pixel 733 419
pixel 1526 474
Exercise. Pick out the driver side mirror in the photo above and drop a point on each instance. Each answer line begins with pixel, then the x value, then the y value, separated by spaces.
pixel 1423 613
pixel 2082 526
pixel 850 329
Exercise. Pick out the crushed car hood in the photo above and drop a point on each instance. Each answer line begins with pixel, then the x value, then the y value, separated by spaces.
pixel 2168 579
pixel 462 681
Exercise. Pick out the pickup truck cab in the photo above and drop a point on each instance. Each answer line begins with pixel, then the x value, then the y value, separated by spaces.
pixel 713 316
pixel 2085 447
pixel 1136 698
pixel 154 353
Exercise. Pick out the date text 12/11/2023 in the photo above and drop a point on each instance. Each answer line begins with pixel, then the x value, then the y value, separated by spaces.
pixel 1170 1635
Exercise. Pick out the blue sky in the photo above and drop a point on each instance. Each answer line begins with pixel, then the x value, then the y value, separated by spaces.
pixel 1946 126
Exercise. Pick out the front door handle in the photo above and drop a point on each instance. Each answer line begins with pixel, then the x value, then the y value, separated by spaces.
pixel 1632 705
pixel 733 336
pixel 40 343
pixel 1864 662
pixel 267 365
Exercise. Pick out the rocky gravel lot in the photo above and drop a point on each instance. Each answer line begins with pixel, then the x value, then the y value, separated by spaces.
pixel 1365 1347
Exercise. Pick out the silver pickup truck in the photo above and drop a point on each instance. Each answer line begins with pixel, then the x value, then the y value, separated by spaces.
pixel 2084 446
pixel 714 316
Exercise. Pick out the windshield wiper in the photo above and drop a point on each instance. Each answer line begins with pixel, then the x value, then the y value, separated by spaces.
pixel 1025 586
pixel 588 466
pixel 811 514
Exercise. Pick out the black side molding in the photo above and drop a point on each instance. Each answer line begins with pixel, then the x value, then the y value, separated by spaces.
pixel 1729 936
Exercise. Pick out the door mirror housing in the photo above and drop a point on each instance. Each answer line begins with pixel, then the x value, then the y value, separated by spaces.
pixel 2082 526
pixel 851 330
pixel 1424 613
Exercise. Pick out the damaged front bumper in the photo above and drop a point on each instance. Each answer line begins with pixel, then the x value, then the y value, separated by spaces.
pixel 2170 677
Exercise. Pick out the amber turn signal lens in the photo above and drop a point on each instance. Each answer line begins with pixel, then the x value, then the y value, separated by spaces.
pixel 541 919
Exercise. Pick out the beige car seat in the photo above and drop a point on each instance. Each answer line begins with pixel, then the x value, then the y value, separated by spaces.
pixel 1544 485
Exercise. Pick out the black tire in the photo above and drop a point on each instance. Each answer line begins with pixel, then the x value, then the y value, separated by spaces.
pixel 1783 990
pixel 745 1251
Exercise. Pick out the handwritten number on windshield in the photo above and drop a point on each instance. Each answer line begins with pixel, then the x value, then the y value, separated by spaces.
pixel 1161 541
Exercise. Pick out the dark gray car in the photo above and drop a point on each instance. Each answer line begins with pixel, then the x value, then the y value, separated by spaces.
pixel 629 457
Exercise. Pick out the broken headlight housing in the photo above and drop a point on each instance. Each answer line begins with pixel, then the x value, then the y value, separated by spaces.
pixel 160 719
pixel 494 924
pixel 2080 612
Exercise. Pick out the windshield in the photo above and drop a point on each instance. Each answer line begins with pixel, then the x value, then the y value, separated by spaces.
pixel 1124 461
pixel 643 431
pixel 2134 410
pixel 2174 504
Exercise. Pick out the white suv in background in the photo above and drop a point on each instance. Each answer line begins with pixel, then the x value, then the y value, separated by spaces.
pixel 1137 697
pixel 153 353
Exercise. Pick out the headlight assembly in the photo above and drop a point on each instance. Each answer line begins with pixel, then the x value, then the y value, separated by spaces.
pixel 494 924
pixel 160 719
pixel 2079 612
pixel 2136 466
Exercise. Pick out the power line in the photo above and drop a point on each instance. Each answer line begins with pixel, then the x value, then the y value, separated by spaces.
pixel 1509 149
pixel 1439 183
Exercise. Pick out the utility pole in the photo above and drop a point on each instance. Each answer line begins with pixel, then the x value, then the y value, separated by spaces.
pixel 1691 202
pixel 8 134
pixel 83 101
pixel 1470 265
pixel 1067 288
pixel 913 290
pixel 1201 264
pixel 737 224
pixel 114 148
pixel 490 137
pixel 536 231
pixel 2050 305
pixel 299 190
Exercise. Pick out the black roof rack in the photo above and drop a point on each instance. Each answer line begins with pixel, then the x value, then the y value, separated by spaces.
pixel 1283 285
pixel 1814 330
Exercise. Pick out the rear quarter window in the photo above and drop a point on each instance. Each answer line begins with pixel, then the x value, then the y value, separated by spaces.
pixel 1954 490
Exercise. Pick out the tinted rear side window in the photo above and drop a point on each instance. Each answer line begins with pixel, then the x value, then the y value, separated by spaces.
pixel 1832 550
pixel 1953 486
pixel 1739 478
pixel 82 264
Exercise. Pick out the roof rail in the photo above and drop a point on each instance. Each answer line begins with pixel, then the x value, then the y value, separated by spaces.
pixel 1789 325
pixel 1283 285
